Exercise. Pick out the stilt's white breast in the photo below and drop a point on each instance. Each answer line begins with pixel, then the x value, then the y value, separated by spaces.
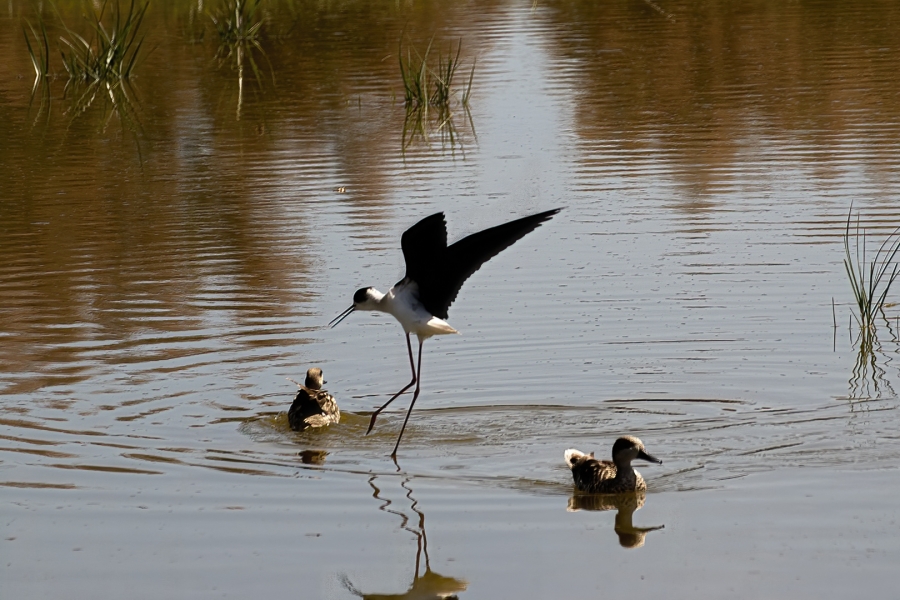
pixel 402 301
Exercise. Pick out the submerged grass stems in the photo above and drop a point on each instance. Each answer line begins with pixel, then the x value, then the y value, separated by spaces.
pixel 110 52
pixel 869 378
pixel 239 27
pixel 870 280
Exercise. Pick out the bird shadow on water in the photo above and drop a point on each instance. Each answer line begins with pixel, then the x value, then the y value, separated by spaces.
pixel 425 584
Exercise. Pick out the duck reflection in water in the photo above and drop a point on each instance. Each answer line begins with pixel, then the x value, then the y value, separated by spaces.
pixel 629 535
pixel 313 406
pixel 427 586
pixel 312 457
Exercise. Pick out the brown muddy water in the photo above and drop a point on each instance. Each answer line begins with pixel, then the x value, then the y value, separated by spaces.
pixel 172 250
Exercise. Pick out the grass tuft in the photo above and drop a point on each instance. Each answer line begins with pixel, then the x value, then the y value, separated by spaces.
pixel 425 86
pixel 239 26
pixel 429 92
pixel 238 22
pixel 870 280
pixel 110 52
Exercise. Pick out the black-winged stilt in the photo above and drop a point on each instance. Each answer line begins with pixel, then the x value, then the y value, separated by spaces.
pixel 434 274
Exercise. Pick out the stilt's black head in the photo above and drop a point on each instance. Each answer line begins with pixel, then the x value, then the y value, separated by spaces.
pixel 364 299
pixel 361 295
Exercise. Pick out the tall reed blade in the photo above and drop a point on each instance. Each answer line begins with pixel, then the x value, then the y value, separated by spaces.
pixel 468 91
pixel 40 59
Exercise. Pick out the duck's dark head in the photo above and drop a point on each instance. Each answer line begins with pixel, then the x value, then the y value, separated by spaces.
pixel 627 448
pixel 314 379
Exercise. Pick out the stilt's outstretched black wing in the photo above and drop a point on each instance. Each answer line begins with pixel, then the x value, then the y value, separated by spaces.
pixel 425 248
pixel 441 271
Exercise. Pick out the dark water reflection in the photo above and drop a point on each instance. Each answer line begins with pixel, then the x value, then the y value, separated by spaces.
pixel 725 84
pixel 426 583
pixel 167 260
pixel 625 505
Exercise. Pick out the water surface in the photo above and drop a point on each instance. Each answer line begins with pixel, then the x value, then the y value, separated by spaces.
pixel 167 261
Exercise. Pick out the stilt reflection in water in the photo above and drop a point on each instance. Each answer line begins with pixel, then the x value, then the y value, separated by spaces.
pixel 427 586
pixel 629 535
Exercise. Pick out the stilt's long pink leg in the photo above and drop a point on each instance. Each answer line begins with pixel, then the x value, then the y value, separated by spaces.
pixel 412 366
pixel 418 379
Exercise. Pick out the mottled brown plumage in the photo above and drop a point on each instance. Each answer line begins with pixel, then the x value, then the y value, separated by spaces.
pixel 313 406
pixel 605 477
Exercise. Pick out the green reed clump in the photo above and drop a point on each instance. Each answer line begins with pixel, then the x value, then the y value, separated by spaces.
pixel 238 21
pixel 870 280
pixel 110 52
pixel 239 24
pixel 425 86
pixel 443 78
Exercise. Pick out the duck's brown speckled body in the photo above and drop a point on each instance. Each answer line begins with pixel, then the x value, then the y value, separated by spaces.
pixel 313 406
pixel 605 477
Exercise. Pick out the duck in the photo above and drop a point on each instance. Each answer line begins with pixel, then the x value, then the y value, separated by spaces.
pixel 605 477
pixel 313 406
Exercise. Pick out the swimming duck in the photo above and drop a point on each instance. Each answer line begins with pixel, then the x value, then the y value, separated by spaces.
pixel 605 477
pixel 313 406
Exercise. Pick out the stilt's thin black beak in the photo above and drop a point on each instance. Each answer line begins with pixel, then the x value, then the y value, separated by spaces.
pixel 342 316
pixel 643 455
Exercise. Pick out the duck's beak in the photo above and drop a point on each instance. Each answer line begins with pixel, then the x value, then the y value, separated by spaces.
pixel 342 316
pixel 643 455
